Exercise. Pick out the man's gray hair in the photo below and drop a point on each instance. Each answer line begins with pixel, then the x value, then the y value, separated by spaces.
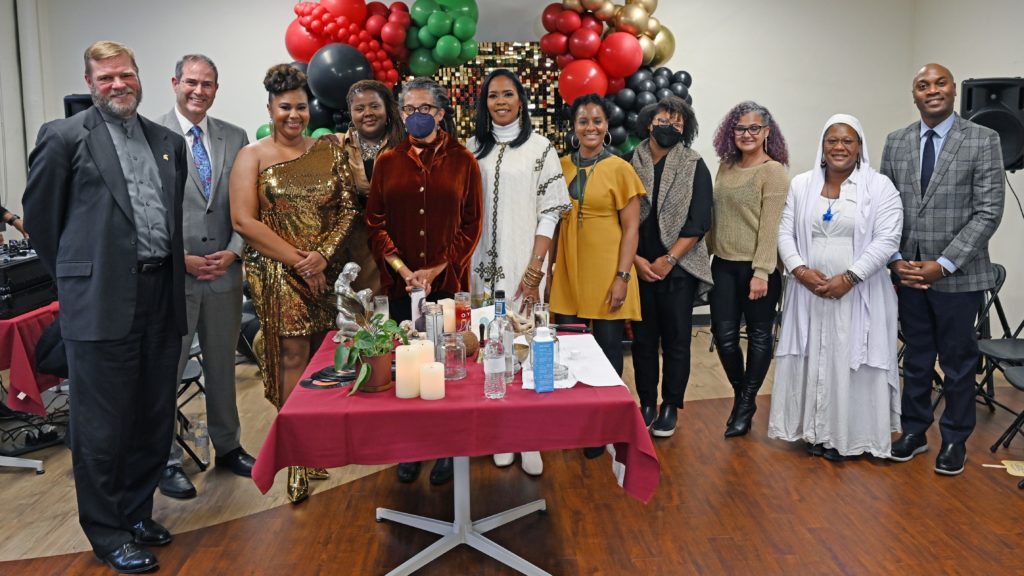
pixel 179 68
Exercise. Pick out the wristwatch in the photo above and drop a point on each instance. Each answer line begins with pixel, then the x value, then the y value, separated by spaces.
pixel 624 275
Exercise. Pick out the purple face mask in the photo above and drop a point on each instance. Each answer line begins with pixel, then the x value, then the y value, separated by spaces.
pixel 420 125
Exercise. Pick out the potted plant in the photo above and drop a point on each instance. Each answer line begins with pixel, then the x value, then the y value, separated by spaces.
pixel 369 351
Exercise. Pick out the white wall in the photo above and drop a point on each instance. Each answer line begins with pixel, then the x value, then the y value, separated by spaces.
pixel 12 152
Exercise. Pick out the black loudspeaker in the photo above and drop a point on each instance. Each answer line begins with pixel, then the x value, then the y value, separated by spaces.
pixel 998 103
pixel 75 103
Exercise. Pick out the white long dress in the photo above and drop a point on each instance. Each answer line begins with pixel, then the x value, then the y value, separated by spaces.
pixel 817 398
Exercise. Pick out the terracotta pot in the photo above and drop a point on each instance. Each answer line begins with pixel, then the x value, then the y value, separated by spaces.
pixel 380 373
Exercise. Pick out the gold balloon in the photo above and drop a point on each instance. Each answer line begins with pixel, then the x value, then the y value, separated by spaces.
pixel 606 11
pixel 653 27
pixel 665 46
pixel 649 5
pixel 632 19
pixel 573 5
pixel 647 45
pixel 592 5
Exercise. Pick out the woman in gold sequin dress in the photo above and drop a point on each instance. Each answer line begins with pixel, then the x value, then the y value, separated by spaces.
pixel 293 201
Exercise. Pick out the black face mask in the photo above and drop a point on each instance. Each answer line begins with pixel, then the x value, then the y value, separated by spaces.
pixel 666 136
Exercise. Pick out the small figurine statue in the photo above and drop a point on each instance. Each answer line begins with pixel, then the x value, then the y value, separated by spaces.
pixel 352 306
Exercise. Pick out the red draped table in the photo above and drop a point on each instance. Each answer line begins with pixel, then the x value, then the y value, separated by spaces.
pixel 18 339
pixel 328 429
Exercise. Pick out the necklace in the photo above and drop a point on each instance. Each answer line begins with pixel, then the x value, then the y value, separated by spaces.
pixel 369 150
pixel 827 216
pixel 491 272
pixel 579 183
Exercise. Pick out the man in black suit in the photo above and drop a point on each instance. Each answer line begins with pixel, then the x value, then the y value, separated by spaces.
pixel 103 205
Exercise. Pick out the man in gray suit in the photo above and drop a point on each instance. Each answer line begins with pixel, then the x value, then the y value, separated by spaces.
pixel 949 172
pixel 103 205
pixel 213 286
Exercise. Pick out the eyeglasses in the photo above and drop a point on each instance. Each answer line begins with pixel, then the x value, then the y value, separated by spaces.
pixel 753 129
pixel 846 142
pixel 678 126
pixel 422 109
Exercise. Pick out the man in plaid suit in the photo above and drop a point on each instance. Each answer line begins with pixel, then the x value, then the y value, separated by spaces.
pixel 949 172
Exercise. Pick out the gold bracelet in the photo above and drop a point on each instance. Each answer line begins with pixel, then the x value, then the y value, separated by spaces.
pixel 396 264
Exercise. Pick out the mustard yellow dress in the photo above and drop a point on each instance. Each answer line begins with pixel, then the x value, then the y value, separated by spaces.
pixel 588 243
pixel 310 202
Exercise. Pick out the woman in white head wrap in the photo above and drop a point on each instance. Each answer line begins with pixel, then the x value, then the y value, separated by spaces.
pixel 836 381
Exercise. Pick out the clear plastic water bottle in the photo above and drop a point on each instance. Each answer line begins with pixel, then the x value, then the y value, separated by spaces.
pixel 495 364
pixel 500 328
pixel 200 433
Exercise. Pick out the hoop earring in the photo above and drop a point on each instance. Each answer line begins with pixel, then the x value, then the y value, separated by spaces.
pixel 823 164
pixel 765 144
pixel 607 139
pixel 576 143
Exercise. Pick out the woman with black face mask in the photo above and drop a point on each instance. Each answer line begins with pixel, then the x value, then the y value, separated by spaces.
pixel 671 259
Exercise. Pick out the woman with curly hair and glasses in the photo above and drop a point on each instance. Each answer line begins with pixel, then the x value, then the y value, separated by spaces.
pixel 750 192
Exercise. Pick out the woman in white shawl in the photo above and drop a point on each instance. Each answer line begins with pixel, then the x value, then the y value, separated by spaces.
pixel 836 382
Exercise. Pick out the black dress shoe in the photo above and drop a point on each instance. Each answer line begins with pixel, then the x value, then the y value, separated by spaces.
pixel 833 455
pixel 130 559
pixel 649 413
pixel 907 446
pixel 175 484
pixel 238 461
pixel 408 471
pixel 951 458
pixel 442 472
pixel 594 452
pixel 665 425
pixel 149 532
pixel 815 449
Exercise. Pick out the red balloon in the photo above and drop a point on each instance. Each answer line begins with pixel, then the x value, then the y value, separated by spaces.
pixel 376 66
pixel 549 18
pixel 342 22
pixel 620 54
pixel 554 44
pixel 301 44
pixel 568 22
pixel 382 55
pixel 376 8
pixel 582 77
pixel 354 10
pixel 374 45
pixel 330 29
pixel 363 47
pixel 354 29
pixel 588 20
pixel 615 84
pixel 375 23
pixel 392 75
pixel 563 60
pixel 364 36
pixel 306 20
pixel 387 64
pixel 584 43
pixel 400 7
pixel 392 33
pixel 401 18
pixel 342 36
pixel 299 8
pixel 318 11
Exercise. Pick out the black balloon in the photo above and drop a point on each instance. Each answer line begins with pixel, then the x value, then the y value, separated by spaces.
pixel 663 71
pixel 333 70
pixel 320 116
pixel 630 123
pixel 646 86
pixel 689 99
pixel 618 134
pixel 684 77
pixel 616 116
pixel 645 99
pixel 300 66
pixel 663 93
pixel 567 112
pixel 679 89
pixel 626 98
pixel 639 76
pixel 662 81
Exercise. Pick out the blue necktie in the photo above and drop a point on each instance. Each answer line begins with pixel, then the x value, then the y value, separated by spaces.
pixel 202 160
pixel 928 161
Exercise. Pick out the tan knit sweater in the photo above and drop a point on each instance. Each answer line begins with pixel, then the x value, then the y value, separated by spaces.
pixel 748 206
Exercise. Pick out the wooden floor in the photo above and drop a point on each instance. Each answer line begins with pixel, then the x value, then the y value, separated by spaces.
pixel 744 506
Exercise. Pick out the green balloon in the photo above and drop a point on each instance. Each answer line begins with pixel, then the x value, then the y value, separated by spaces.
pixel 421 63
pixel 427 40
pixel 447 50
pixel 469 50
pixel 439 24
pixel 321 132
pixel 307 131
pixel 461 8
pixel 263 131
pixel 412 38
pixel 464 28
pixel 421 11
pixel 630 143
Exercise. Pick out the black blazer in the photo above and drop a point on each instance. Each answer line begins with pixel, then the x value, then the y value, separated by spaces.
pixel 80 218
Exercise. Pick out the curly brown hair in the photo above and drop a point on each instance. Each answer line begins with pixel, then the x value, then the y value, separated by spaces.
pixel 283 78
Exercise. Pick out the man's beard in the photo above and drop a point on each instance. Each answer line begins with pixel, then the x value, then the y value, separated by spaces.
pixel 120 110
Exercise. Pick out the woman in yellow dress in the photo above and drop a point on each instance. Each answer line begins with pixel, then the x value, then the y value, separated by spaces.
pixel 293 201
pixel 594 279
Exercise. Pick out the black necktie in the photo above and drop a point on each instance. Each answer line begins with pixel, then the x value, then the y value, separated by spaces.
pixel 928 161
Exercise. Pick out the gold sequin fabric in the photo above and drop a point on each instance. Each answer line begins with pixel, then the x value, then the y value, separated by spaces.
pixel 310 203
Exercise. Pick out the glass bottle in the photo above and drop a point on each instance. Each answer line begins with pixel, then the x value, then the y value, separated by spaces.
pixel 500 328
pixel 454 357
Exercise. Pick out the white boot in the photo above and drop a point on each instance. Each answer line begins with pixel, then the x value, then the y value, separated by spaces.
pixel 532 464
pixel 502 460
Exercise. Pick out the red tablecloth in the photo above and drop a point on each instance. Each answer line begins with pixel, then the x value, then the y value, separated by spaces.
pixel 328 428
pixel 18 339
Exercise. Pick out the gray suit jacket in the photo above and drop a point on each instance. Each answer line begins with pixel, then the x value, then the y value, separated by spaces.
pixel 79 214
pixel 207 226
pixel 962 206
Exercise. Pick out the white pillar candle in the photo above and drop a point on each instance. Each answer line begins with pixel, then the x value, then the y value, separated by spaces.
pixel 407 371
pixel 426 351
pixel 448 307
pixel 432 381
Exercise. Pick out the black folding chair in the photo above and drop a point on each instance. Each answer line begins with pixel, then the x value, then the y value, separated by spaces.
pixel 191 385
pixel 1015 376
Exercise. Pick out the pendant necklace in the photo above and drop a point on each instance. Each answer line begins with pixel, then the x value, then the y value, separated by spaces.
pixel 827 216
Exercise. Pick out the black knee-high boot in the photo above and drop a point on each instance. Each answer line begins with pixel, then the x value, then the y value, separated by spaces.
pixel 759 359
pixel 727 341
